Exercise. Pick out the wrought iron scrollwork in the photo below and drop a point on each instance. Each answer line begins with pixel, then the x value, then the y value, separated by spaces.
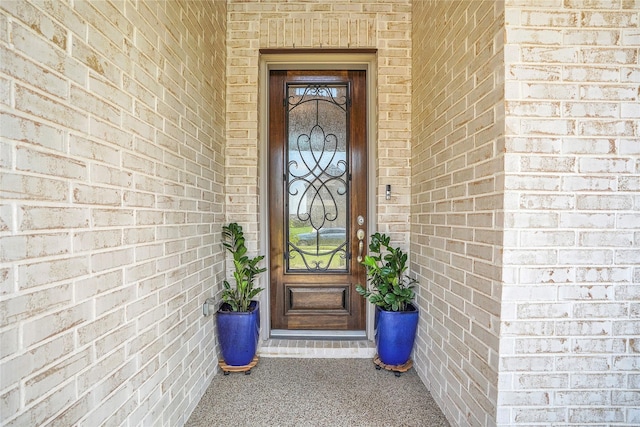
pixel 317 173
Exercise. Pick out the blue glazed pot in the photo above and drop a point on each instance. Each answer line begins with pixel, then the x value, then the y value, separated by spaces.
pixel 238 334
pixel 395 334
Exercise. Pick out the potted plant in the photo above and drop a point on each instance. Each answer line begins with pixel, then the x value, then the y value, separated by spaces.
pixel 391 291
pixel 238 317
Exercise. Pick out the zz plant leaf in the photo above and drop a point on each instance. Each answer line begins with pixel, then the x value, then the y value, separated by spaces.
pixel 245 270
pixel 389 286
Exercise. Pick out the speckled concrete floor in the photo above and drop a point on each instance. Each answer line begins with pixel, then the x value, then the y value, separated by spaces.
pixel 317 392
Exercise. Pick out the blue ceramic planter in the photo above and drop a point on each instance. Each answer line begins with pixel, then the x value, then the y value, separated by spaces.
pixel 238 334
pixel 395 334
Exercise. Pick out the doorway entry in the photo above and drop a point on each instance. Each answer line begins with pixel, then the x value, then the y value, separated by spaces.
pixel 317 127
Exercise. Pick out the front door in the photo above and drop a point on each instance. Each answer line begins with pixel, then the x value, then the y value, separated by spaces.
pixel 317 199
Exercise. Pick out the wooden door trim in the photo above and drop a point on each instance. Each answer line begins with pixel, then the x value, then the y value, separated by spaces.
pixel 298 51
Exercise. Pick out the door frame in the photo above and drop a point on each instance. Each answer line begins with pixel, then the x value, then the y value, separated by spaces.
pixel 312 59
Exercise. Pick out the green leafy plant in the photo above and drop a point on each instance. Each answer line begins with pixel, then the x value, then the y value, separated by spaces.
pixel 245 270
pixel 389 286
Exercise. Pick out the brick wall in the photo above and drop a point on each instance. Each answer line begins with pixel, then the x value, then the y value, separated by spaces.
pixel 565 289
pixel 111 178
pixel 457 201
pixel 571 295
pixel 321 24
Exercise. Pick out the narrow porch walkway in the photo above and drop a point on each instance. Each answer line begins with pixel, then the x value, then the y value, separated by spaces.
pixel 294 387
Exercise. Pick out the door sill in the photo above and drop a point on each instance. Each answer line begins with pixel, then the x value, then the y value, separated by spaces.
pixel 317 334
pixel 317 348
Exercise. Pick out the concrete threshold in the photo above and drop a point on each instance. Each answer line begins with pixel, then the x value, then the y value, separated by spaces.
pixel 317 348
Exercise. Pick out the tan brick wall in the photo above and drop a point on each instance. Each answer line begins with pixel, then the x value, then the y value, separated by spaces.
pixel 385 25
pixel 457 202
pixel 566 297
pixel 570 310
pixel 111 177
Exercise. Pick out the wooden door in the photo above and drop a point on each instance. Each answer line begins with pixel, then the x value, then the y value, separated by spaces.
pixel 317 199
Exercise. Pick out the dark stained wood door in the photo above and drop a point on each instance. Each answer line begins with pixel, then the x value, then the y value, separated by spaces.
pixel 317 199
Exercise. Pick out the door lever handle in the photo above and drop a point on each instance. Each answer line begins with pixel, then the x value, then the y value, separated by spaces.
pixel 360 236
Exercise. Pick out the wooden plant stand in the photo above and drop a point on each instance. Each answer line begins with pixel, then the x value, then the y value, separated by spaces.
pixel 396 369
pixel 226 369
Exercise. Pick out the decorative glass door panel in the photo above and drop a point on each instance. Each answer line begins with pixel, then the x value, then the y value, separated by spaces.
pixel 317 178
pixel 317 161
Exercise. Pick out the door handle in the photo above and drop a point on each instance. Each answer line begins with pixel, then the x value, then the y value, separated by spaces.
pixel 360 236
